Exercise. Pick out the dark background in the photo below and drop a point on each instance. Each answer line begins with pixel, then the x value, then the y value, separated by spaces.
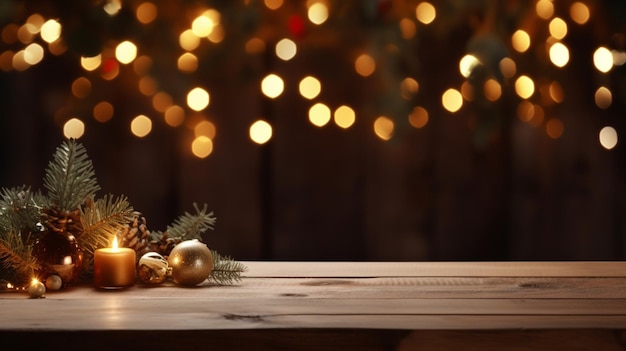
pixel 479 184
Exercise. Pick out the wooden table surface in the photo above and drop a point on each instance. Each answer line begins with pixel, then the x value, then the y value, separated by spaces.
pixel 343 305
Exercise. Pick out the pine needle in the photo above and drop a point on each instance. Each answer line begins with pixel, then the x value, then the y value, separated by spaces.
pixel 102 220
pixel 19 208
pixel 70 177
pixel 16 259
pixel 226 271
pixel 190 226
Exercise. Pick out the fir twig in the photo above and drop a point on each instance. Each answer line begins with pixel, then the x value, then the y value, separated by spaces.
pixel 70 177
pixel 103 219
pixel 17 261
pixel 19 208
pixel 189 226
pixel 226 271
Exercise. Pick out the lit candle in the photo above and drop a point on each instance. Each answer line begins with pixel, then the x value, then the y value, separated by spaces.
pixel 114 267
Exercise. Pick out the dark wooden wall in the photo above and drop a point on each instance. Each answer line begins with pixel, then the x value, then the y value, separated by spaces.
pixel 476 185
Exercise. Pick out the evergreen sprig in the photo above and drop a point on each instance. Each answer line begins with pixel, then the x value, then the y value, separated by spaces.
pixel 70 177
pixel 189 226
pixel 102 219
pixel 16 259
pixel 226 271
pixel 19 208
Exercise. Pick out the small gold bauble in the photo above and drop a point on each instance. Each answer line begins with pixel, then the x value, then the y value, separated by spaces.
pixel 54 282
pixel 191 262
pixel 152 268
pixel 36 289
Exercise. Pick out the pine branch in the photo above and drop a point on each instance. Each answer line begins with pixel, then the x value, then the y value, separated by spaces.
pixel 226 271
pixel 19 208
pixel 103 219
pixel 70 177
pixel 17 263
pixel 188 226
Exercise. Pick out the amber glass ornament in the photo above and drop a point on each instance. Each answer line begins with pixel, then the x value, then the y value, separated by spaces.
pixel 58 254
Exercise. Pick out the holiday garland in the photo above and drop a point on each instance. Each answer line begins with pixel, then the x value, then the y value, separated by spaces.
pixel 69 207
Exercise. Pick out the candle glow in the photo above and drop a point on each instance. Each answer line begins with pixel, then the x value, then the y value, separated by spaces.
pixel 114 267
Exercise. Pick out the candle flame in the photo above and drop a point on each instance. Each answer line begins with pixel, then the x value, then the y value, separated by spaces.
pixel 34 281
pixel 114 244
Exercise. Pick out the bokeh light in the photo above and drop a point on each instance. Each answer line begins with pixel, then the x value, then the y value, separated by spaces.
pixel 126 52
pixel 418 117
pixel 286 49
pixel 608 137
pixel 202 146
pixel 310 87
pixel 141 126
pixel 319 114
pixel 452 100
pixel 198 99
pixel 344 116
pixel 74 128
pixel 524 87
pixel 384 127
pixel 272 86
pixel 318 13
pixel 260 132
pixel 364 65
pixel 425 12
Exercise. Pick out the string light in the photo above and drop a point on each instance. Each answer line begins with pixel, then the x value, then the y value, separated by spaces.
pixel 260 132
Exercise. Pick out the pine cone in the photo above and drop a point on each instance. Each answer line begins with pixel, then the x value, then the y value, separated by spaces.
pixel 164 245
pixel 62 221
pixel 135 235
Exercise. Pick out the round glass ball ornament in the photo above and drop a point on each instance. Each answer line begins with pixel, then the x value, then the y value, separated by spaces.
pixel 58 253
pixel 191 262
pixel 152 268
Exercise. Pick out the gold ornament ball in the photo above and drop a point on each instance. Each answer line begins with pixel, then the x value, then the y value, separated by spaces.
pixel 54 282
pixel 152 268
pixel 191 262
pixel 36 289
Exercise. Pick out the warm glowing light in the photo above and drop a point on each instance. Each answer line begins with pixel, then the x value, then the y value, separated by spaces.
pixel 407 28
pixel 364 65
pixel 188 40
pixel 81 87
pixel 91 63
pixel 57 48
pixel 112 7
pixel 74 128
pixel 603 97
pixel 205 128
pixel 467 90
pixel 318 13
pixel 146 12
pixel 452 100
pixel 508 68
pixel 33 54
pixel 260 132
pixel 36 21
pixel 520 41
pixel 126 52
pixel 50 31
pixel 608 137
pixel 418 117
pixel 344 116
pixel 147 86
pixel 408 88
pixel 272 86
pixel 198 99
pixel 544 9
pixel 319 114
pixel 384 127
pixel 255 46
pixel 202 146
pixel 202 26
pixel 26 33
pixel 603 59
pixel 524 87
pixel 174 116
pixel 425 12
pixel 556 92
pixel 161 101
pixel 467 65
pixel 103 111
pixel 554 128
pixel 142 65
pixel 310 87
pixel 559 54
pixel 579 12
pixel 141 126
pixel 273 4
pixel 18 61
pixel 217 34
pixel 492 89
pixel 187 62
pixel 286 49
pixel 558 28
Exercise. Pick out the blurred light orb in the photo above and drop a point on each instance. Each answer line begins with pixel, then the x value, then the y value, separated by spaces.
pixel 579 12
pixel 174 116
pixel 50 31
pixel 364 65
pixel 318 13
pixel 141 126
pixel 452 100
pixel 418 118
pixel 319 114
pixel 286 49
pixel 603 59
pixel 467 65
pixel 603 97
pixel 344 116
pixel 91 63
pixel 33 54
pixel 384 127
pixel 146 12
pixel 198 99
pixel 425 12
pixel 272 86
pixel 524 87
pixel 126 52
pixel 557 28
pixel 260 132
pixel 559 54
pixel 310 87
pixel 608 137
pixel 520 41
pixel 74 128
pixel 202 146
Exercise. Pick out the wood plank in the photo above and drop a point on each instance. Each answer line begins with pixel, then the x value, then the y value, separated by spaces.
pixel 436 269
